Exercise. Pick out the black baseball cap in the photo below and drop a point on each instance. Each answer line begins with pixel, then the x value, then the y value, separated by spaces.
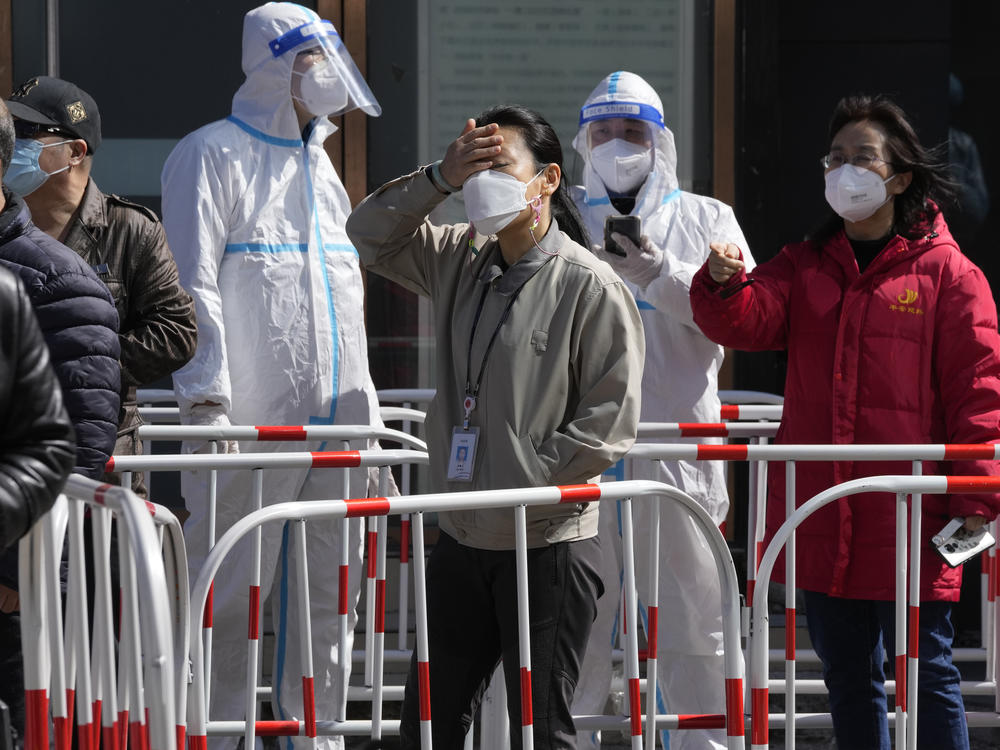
pixel 53 101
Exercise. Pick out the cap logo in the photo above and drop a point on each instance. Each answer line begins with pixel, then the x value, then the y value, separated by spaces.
pixel 24 88
pixel 76 112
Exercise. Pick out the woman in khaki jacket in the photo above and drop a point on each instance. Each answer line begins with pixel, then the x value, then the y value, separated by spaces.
pixel 539 362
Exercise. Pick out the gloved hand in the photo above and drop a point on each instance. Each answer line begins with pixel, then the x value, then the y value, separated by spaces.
pixel 640 265
pixel 207 415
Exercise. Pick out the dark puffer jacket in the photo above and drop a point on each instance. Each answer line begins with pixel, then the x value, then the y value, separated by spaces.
pixel 36 438
pixel 80 325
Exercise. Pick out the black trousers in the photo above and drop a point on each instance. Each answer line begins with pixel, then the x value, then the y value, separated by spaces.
pixel 472 624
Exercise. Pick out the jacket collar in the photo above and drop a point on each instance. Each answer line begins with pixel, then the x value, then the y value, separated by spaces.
pixel 14 218
pixel 509 280
pixel 898 248
pixel 88 224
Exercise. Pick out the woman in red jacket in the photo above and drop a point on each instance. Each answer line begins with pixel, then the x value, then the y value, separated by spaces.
pixel 891 336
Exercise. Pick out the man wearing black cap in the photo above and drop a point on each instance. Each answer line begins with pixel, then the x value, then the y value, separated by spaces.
pixel 58 130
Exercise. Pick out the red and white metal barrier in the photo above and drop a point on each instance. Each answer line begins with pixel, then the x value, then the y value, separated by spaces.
pixel 200 727
pixel 64 665
pixel 907 611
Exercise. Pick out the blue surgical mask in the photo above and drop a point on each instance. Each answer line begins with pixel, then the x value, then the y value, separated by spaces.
pixel 25 176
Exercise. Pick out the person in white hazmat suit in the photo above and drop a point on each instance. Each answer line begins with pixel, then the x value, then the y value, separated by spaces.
pixel 254 213
pixel 630 164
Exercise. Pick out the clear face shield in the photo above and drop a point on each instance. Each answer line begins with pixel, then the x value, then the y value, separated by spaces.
pixel 325 80
pixel 620 140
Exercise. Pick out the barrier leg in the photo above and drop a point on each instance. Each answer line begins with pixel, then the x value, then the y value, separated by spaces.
pixel 77 644
pixel 901 619
pixel 103 658
pixel 524 626
pixel 790 611
pixel 404 579
pixel 371 550
pixel 253 620
pixel 632 631
pixel 378 657
pixel 138 734
pixel 305 642
pixel 420 604
pixel 213 487
pixel 344 597
pixel 913 644
pixel 652 621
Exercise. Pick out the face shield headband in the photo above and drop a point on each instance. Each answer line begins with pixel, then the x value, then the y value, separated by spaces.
pixel 322 34
pixel 612 110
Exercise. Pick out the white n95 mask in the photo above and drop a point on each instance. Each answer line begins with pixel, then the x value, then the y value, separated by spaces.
pixel 855 193
pixel 494 199
pixel 320 90
pixel 622 166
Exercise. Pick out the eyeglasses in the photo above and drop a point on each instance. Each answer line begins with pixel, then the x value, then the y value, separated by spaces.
pixel 864 161
pixel 25 129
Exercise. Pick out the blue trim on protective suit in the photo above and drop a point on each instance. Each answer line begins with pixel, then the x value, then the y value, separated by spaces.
pixel 672 195
pixel 613 82
pixel 293 38
pixel 267 247
pixel 260 135
pixel 598 201
pixel 643 305
pixel 335 351
pixel 282 629
pixel 617 472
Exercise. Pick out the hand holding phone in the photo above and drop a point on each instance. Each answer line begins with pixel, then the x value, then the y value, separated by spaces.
pixel 630 226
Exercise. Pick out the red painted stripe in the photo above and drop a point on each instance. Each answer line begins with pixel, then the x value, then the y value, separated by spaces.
pixel 758 717
pixel 643 654
pixel 901 681
pixel 309 705
pixel 100 492
pixel 342 590
pixel 404 541
pixel 751 583
pixel 85 736
pixel 578 493
pixel 371 552
pixel 723 528
pixel 135 735
pixel 722 453
pixel 634 707
pixel 367 506
pixel 109 467
pixel 913 636
pixel 380 605
pixel 111 739
pixel 181 729
pixel 790 634
pixel 704 429
pixel 424 689
pixel 969 452
pixel 701 721
pixel 122 730
pixel 287 728
pixel 527 719
pixel 730 411
pixel 734 707
pixel 145 733
pixel 206 620
pixel 62 729
pixel 335 459
pixel 151 508
pixel 995 572
pixel 278 433
pixel 36 714
pixel 760 554
pixel 254 616
pixel 197 742
pixel 973 484
pixel 653 614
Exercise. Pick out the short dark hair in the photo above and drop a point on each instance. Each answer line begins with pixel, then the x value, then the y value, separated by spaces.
pixel 931 186
pixel 6 138
pixel 543 143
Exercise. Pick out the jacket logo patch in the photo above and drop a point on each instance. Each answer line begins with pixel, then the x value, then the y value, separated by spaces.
pixel 906 298
pixel 76 112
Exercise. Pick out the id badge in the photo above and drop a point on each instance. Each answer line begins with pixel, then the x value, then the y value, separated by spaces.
pixel 463 454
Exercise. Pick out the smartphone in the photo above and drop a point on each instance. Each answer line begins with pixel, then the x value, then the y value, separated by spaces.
pixel 630 226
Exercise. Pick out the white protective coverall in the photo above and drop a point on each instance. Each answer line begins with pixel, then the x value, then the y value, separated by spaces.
pixel 680 384
pixel 255 213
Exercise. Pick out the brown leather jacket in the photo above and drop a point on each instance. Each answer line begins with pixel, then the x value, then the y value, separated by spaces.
pixel 125 244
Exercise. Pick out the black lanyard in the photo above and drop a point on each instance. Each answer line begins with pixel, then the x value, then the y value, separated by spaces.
pixel 472 391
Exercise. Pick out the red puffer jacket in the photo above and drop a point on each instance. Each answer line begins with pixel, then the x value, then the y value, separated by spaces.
pixel 906 352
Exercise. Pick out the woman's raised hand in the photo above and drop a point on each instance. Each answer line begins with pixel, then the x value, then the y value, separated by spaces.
pixel 473 151
pixel 723 261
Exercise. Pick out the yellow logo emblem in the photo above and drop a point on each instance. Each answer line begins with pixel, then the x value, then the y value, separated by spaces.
pixel 76 112
pixel 907 297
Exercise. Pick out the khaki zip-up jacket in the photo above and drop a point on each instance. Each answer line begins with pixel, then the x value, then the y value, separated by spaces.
pixel 558 401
